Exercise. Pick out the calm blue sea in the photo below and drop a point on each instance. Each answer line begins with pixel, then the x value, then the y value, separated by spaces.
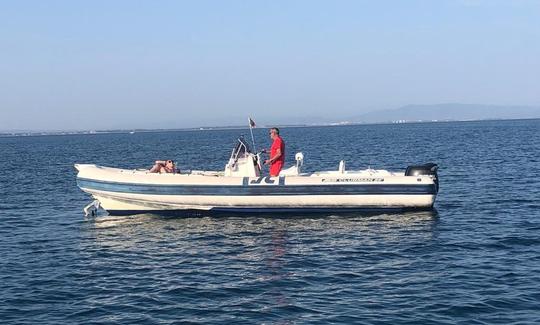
pixel 475 260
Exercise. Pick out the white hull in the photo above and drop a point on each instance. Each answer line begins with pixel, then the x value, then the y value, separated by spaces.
pixel 116 202
pixel 128 191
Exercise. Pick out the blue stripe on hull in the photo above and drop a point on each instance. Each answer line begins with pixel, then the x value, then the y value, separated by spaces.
pixel 266 190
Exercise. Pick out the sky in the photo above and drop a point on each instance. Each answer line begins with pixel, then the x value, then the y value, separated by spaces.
pixel 80 65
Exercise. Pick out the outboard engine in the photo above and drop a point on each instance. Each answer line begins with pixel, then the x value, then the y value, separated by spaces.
pixel 425 169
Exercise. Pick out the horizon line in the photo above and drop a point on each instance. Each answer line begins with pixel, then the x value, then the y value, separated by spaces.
pixel 30 133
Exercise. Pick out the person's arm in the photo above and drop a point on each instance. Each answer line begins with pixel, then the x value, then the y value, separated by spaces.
pixel 272 159
pixel 157 166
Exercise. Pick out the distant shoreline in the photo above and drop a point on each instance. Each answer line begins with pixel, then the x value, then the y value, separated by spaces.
pixel 7 134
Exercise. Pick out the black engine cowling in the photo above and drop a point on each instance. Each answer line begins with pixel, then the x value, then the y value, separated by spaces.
pixel 425 169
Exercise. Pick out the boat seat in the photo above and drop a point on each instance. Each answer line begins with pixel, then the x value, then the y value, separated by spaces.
pixel 291 171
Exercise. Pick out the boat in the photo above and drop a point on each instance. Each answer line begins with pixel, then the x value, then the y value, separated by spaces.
pixel 241 187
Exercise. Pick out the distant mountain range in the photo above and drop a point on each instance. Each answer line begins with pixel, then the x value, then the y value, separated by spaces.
pixel 448 112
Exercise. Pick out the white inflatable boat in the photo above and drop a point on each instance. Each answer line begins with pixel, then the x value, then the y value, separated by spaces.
pixel 242 188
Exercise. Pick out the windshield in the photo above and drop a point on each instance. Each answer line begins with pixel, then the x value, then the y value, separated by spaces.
pixel 241 149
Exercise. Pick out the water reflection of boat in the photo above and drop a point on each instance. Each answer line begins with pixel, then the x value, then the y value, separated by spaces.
pixel 264 237
pixel 242 188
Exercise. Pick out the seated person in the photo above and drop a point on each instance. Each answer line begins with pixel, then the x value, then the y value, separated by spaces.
pixel 164 167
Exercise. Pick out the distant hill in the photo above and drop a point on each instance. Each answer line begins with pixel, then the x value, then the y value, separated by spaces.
pixel 448 112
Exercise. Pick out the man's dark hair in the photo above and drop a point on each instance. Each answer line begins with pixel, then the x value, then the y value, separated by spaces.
pixel 275 129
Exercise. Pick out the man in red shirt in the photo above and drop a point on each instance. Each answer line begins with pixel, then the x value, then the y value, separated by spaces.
pixel 277 153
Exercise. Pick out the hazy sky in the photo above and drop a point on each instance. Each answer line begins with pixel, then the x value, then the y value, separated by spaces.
pixel 148 64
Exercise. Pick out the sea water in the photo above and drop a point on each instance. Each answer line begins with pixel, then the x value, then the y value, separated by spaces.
pixel 474 259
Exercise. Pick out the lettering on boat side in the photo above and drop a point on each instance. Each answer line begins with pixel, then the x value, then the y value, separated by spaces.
pixel 352 180
pixel 265 180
